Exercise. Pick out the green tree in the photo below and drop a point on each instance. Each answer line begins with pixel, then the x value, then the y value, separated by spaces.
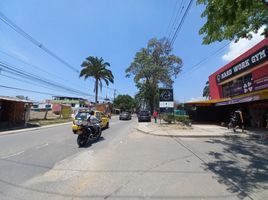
pixel 206 91
pixel 152 66
pixel 124 102
pixel 96 67
pixel 233 19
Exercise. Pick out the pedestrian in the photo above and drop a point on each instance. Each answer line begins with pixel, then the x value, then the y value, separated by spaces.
pixel 155 115
pixel 239 120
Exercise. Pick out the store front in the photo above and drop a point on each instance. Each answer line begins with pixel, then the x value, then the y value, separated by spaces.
pixel 242 83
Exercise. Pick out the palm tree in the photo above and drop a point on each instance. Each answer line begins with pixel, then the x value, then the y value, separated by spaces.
pixel 96 67
pixel 206 91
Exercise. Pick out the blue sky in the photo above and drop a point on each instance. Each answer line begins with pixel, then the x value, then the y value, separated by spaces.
pixel 112 29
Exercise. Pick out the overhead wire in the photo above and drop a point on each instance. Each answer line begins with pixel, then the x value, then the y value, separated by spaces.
pixel 198 64
pixel 176 19
pixel 39 79
pixel 174 37
pixel 19 30
pixel 35 67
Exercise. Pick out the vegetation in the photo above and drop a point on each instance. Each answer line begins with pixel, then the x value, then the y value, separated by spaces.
pixel 124 102
pixel 206 91
pixel 152 66
pixel 170 117
pixel 233 19
pixel 96 67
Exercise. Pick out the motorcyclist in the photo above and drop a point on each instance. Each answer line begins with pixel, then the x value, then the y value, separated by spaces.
pixel 94 121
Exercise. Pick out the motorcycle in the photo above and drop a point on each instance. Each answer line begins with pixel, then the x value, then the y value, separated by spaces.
pixel 88 131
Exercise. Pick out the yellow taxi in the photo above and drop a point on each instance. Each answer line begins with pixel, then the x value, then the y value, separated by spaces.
pixel 103 118
pixel 82 115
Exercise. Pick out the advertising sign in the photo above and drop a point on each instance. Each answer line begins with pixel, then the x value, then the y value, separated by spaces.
pixel 166 100
pixel 254 59
pixel 261 83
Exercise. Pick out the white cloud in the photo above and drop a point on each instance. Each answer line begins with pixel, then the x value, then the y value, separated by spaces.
pixel 236 49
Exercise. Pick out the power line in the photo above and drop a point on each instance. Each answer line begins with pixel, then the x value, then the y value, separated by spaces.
pixel 26 90
pixel 19 30
pixel 38 80
pixel 197 65
pixel 172 16
pixel 32 77
pixel 176 19
pixel 33 66
pixel 181 22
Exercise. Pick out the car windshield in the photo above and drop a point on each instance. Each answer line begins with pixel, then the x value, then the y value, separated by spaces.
pixel 144 112
pixel 82 115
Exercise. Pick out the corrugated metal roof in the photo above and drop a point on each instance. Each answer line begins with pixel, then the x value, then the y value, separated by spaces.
pixel 6 98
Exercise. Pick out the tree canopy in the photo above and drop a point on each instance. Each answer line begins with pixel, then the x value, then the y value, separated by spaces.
pixel 152 66
pixel 96 67
pixel 206 91
pixel 233 19
pixel 124 102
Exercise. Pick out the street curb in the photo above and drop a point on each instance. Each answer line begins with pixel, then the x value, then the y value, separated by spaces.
pixel 195 136
pixel 32 129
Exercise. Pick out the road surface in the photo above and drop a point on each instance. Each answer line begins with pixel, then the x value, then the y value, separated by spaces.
pixel 127 164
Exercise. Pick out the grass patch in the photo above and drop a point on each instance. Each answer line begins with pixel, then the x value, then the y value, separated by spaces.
pixel 43 122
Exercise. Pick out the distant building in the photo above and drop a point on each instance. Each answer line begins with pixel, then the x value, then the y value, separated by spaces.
pixel 74 102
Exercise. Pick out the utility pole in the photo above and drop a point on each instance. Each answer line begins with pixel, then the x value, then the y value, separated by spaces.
pixel 114 93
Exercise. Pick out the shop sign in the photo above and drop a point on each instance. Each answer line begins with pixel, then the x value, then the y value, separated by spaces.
pixel 254 59
pixel 261 83
pixel 239 100
pixel 166 100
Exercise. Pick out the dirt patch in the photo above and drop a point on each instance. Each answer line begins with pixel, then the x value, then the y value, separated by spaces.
pixel 166 126
pixel 41 114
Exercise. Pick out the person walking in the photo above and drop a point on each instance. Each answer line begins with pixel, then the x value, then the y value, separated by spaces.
pixel 239 120
pixel 155 115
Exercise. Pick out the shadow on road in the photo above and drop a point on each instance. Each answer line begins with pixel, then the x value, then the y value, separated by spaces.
pixel 242 166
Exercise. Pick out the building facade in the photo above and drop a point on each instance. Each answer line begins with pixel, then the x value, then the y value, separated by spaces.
pixel 242 83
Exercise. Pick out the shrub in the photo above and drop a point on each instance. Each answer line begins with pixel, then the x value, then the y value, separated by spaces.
pixel 183 118
pixel 168 117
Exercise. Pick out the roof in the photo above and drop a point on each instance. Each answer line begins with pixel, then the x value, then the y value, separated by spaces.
pixel 206 102
pixel 243 98
pixel 6 98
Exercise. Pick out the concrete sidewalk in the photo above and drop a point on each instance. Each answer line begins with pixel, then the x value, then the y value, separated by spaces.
pixel 197 130
pixel 31 129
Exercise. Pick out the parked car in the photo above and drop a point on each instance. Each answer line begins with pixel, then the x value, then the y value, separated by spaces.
pixel 144 115
pixel 125 116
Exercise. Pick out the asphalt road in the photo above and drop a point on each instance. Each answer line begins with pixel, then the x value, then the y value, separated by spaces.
pixel 127 164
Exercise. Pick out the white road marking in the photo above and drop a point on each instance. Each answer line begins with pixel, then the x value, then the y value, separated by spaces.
pixel 12 155
pixel 41 146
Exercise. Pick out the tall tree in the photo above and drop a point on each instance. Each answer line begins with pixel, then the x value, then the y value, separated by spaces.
pixel 124 102
pixel 152 66
pixel 206 91
pixel 96 67
pixel 233 19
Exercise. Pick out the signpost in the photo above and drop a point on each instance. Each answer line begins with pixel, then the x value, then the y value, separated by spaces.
pixel 166 100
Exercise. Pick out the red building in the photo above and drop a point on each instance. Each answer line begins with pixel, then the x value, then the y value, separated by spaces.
pixel 242 83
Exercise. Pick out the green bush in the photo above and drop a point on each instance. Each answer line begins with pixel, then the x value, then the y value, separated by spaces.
pixel 182 118
pixel 168 117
